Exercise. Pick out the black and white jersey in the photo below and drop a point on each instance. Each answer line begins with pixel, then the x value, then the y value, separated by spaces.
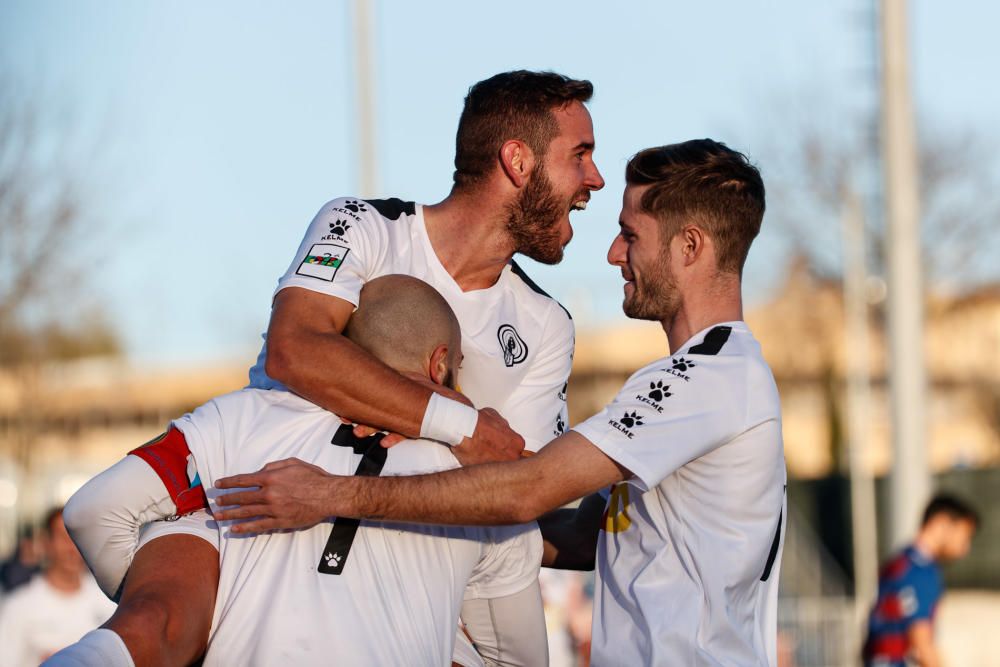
pixel 343 592
pixel 517 341
pixel 689 554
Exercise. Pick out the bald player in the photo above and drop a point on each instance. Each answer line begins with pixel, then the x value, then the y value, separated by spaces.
pixel 357 593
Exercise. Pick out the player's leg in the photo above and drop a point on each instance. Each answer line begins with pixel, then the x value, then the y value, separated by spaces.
pixel 166 606
pixel 509 630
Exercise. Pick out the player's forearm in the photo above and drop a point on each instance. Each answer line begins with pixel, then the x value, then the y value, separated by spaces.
pixel 490 494
pixel 334 373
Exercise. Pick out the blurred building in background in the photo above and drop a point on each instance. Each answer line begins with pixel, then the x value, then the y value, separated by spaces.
pixel 63 422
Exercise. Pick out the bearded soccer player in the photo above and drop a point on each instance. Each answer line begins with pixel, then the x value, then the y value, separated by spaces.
pixel 688 458
pixel 524 161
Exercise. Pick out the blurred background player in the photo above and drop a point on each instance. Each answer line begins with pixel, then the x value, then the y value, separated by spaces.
pixel 901 624
pixel 56 607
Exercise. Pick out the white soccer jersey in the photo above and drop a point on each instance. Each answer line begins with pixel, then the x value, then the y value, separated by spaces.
pixel 517 341
pixel 375 594
pixel 689 554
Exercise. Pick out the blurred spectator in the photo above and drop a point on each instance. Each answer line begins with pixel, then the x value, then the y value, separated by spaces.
pixel 900 627
pixel 55 608
pixel 23 564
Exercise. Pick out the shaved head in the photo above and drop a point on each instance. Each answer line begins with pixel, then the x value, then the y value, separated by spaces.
pixel 401 321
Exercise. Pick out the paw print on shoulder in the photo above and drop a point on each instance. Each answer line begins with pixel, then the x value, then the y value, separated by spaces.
pixel 631 419
pixel 355 206
pixel 658 392
pixel 681 364
pixel 339 227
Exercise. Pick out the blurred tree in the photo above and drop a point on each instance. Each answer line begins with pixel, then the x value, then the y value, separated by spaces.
pixel 47 240
pixel 824 153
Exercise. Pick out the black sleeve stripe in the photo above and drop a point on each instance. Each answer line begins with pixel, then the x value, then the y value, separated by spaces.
pixel 392 209
pixel 714 340
pixel 519 272
pixel 774 550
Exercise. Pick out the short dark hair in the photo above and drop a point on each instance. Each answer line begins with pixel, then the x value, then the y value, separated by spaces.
pixel 952 506
pixel 708 182
pixel 512 105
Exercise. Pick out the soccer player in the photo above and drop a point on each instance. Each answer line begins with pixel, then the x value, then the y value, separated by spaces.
pixel 382 594
pixel 901 624
pixel 689 454
pixel 524 161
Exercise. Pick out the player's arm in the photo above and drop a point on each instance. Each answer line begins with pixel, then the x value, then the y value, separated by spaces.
pixel 292 494
pixel 105 515
pixel 571 534
pixel 307 352
pixel 921 638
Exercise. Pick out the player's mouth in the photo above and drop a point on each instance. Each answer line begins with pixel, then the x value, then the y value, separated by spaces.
pixel 580 202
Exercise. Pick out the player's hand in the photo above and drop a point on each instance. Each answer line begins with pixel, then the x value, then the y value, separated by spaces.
pixel 362 431
pixel 493 441
pixel 289 494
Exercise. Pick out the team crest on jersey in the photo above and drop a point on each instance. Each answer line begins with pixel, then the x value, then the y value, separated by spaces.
pixel 337 231
pixel 616 518
pixel 323 261
pixel 560 425
pixel 626 423
pixel 657 392
pixel 515 350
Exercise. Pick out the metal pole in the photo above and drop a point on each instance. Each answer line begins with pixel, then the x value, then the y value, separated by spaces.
pixel 364 73
pixel 910 481
pixel 863 516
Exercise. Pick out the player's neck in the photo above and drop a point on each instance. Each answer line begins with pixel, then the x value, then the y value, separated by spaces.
pixel 698 313
pixel 468 234
pixel 63 579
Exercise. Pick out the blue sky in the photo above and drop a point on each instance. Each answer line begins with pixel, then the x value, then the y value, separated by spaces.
pixel 216 130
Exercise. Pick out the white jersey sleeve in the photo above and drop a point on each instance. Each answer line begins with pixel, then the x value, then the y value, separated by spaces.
pixel 342 247
pixel 669 413
pixel 537 408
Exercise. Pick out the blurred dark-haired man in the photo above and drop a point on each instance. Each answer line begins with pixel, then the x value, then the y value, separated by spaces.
pixel 687 460
pixel 524 162
pixel 901 624
pixel 56 607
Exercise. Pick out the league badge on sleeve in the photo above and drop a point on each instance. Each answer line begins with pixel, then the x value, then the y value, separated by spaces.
pixel 323 260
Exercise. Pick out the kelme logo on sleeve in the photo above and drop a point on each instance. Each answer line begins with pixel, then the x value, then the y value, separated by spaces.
pixel 626 423
pixel 323 260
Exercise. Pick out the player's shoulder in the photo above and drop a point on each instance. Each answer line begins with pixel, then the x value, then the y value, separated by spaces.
pixel 532 296
pixel 357 208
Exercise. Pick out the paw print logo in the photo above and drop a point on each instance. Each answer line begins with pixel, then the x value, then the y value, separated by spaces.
pixel 658 392
pixel 332 559
pixel 681 364
pixel 562 392
pixel 560 426
pixel 354 206
pixel 631 419
pixel 339 228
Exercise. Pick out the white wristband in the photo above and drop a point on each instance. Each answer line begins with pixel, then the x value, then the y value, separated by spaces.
pixel 448 420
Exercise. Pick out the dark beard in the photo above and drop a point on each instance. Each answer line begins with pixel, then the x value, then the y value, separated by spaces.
pixel 657 299
pixel 533 220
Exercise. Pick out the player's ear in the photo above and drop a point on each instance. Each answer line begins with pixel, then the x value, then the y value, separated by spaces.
pixel 517 161
pixel 693 241
pixel 438 369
